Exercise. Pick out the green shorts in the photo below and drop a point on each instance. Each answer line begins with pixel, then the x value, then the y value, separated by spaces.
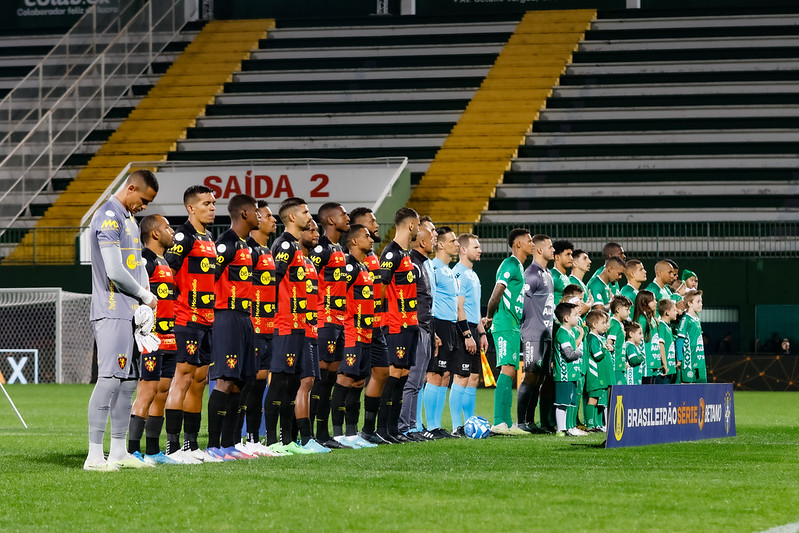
pixel 507 344
pixel 565 393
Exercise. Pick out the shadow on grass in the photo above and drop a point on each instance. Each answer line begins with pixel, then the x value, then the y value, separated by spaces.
pixel 65 460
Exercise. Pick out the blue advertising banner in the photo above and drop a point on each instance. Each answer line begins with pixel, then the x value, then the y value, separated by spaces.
pixel 654 414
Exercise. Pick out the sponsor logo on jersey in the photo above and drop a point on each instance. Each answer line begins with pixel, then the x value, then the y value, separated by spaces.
pixel 266 278
pixel 109 224
pixel 131 261
pixel 282 256
pixel 162 290
pixel 244 274
pixel 205 265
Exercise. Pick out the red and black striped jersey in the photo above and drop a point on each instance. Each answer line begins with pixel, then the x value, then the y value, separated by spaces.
pixel 292 296
pixel 373 264
pixel 264 289
pixel 328 258
pixel 233 273
pixel 312 289
pixel 399 277
pixel 359 323
pixel 162 284
pixel 193 259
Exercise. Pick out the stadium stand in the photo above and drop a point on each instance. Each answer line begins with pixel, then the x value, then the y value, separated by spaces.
pixel 659 119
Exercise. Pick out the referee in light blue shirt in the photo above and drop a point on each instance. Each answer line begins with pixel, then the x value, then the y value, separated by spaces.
pixel 465 366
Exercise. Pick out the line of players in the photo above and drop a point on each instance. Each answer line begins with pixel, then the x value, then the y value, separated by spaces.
pixel 328 324
pixel 576 340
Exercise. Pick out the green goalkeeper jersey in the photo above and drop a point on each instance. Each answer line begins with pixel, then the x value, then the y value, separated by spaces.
pixel 508 315
pixel 616 336
pixel 559 282
pixel 564 370
pixel 635 363
pixel 666 338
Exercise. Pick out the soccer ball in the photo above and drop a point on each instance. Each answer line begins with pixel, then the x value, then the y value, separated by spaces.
pixel 476 427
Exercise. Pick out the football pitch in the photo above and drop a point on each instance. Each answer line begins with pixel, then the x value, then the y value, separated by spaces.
pixel 529 483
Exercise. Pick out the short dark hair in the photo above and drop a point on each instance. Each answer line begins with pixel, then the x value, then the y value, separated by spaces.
pixel 261 204
pixel 515 233
pixel 426 218
pixel 570 291
pixel 671 263
pixel 619 301
pixel 325 209
pixel 442 230
pixel 289 203
pixel 359 212
pixel 191 194
pixel 239 203
pixel 619 262
pixel 563 310
pixel 354 228
pixel 403 214
pixel 578 252
pixel 147 177
pixel 594 317
pixel 630 327
pixel 561 246
pixel 664 305
pixel 147 225
pixel 633 263
pixel 609 248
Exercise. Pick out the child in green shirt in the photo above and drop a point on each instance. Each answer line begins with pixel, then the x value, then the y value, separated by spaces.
pixel 633 357
pixel 620 311
pixel 567 352
pixel 694 369
pixel 667 311
pixel 599 375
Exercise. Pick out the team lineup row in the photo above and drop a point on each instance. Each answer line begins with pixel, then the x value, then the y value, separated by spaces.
pixel 325 321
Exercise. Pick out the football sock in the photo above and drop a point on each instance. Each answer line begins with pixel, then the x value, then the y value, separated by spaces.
pixel 338 408
pixel 173 420
pixel 135 431
pixel 191 428
pixel 560 418
pixel 272 404
pixel 371 404
pixel 532 404
pixel 431 404
pixel 316 391
pixel 440 405
pixel 455 402
pixel 546 407
pixel 396 406
pixel 255 409
pixel 353 412
pixel 245 396
pixel 419 409
pixel 601 422
pixel 120 418
pixel 152 431
pixel 287 408
pixel 590 416
pixel 231 434
pixel 217 402
pixel 571 416
pixel 503 399
pixel 386 401
pixel 304 427
pixel 469 402
pixel 99 408
pixel 323 412
pixel 523 401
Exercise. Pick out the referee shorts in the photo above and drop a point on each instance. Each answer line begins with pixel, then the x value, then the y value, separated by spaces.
pixel 462 362
pixel 448 333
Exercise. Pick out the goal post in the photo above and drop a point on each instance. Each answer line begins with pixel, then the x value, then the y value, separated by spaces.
pixel 47 335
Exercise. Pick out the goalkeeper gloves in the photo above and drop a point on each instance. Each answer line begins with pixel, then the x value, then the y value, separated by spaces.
pixel 144 319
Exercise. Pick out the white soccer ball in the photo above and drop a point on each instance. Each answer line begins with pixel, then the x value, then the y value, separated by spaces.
pixel 476 427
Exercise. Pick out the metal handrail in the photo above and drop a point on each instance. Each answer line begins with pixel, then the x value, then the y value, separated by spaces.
pixel 90 94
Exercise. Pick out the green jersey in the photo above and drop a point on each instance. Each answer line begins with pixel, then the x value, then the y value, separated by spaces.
pixel 634 359
pixel 559 282
pixel 651 346
pixel 666 338
pixel 508 315
pixel 614 287
pixel 599 291
pixel 661 293
pixel 566 346
pixel 600 364
pixel 693 347
pixel 576 281
pixel 630 292
pixel 616 336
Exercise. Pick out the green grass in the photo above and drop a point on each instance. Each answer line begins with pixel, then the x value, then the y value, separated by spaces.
pixel 534 483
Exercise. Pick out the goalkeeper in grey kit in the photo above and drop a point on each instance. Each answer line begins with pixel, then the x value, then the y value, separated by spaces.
pixel 121 309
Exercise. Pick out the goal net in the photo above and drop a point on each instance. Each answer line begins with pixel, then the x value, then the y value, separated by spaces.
pixel 49 324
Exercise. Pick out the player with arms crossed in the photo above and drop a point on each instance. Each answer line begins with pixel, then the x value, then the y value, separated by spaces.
pixel 119 286
pixel 503 317
pixel 193 263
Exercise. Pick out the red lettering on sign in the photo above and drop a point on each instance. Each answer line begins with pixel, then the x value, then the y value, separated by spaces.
pixel 263 186
pixel 232 187
pixel 283 185
pixel 317 192
pixel 213 183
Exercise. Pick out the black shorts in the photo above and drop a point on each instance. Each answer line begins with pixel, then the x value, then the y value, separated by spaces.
pixel 310 360
pixel 448 333
pixel 402 347
pixel 331 343
pixel 535 356
pixel 356 362
pixel 194 345
pixel 169 361
pixel 263 351
pixel 379 349
pixel 150 366
pixel 462 362
pixel 287 352
pixel 233 349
